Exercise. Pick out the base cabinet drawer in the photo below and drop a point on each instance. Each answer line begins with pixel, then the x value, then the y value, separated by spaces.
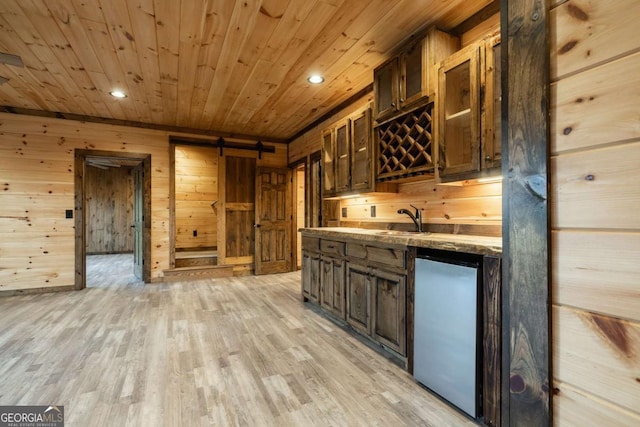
pixel 332 248
pixel 377 255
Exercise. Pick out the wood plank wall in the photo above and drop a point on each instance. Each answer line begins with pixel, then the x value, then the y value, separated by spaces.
pixel 595 69
pixel 109 204
pixel 196 180
pixel 37 179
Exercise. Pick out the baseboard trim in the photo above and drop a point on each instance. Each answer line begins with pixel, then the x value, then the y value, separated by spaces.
pixel 31 291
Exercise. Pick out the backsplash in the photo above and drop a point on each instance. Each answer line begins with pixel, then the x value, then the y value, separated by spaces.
pixel 470 209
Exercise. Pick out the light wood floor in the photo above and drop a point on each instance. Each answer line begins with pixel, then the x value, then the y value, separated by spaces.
pixel 233 351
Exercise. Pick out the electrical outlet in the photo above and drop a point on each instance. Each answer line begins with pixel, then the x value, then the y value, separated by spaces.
pixel 344 212
pixel 68 213
pixel 195 233
pixel 373 211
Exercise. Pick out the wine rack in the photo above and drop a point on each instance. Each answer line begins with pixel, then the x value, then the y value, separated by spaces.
pixel 405 145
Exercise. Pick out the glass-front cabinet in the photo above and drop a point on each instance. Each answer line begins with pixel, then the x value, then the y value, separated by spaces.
pixel 459 112
pixel 328 166
pixel 469 121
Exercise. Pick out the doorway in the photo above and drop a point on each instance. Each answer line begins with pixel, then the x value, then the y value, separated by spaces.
pixel 194 205
pixel 121 223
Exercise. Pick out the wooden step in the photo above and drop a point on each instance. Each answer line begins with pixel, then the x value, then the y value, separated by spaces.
pixel 196 262
pixel 197 272
pixel 197 254
pixel 196 258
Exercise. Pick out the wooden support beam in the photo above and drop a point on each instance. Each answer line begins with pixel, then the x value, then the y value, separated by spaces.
pixel 526 400
pixel 485 13
pixel 131 123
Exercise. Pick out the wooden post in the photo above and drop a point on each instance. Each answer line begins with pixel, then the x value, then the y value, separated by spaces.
pixel 525 125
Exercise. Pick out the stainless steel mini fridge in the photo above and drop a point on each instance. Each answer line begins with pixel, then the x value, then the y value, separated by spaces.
pixel 446 330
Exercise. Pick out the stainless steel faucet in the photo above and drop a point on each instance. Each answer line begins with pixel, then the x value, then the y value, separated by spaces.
pixel 416 218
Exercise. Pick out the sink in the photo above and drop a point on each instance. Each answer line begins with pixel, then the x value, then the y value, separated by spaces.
pixel 400 233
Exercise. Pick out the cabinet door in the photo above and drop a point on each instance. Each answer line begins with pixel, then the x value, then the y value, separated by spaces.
pixel 339 301
pixel 385 82
pixel 491 107
pixel 389 309
pixel 311 276
pixel 459 124
pixel 361 176
pixel 332 286
pixel 413 73
pixel 358 298
pixel 306 274
pixel 326 283
pixel 328 166
pixel 342 160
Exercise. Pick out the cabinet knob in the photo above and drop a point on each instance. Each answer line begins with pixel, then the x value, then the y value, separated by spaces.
pixel 488 158
pixel 393 104
pixel 401 100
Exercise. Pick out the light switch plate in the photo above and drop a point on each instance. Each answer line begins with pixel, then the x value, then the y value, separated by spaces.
pixel 373 211
pixel 344 212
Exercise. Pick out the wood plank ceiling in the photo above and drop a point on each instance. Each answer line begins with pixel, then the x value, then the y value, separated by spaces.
pixel 214 65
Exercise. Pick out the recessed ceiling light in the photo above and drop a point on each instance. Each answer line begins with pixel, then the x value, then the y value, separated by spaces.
pixel 315 79
pixel 118 94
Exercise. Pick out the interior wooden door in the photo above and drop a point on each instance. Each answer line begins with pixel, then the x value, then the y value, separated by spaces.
pixel 273 220
pixel 138 221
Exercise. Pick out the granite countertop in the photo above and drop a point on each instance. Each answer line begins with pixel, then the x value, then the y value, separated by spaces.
pixel 482 245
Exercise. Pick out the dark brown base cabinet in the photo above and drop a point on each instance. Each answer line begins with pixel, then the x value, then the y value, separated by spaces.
pixel 369 287
pixel 376 305
pixel 362 284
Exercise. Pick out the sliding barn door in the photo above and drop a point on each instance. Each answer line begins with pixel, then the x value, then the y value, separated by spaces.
pixel 273 221
pixel 236 225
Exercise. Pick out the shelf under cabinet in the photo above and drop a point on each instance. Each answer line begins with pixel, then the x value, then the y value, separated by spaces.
pixel 461 118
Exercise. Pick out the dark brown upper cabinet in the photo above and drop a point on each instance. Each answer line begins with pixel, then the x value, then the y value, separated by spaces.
pixel 408 79
pixel 347 152
pixel 328 165
pixel 343 156
pixel 469 112
pixel 361 151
